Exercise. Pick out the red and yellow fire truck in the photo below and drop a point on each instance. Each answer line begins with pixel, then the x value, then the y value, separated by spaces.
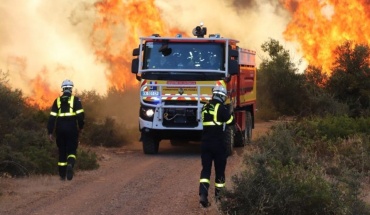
pixel 177 75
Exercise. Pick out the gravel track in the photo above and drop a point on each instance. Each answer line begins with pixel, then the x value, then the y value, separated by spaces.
pixel 127 182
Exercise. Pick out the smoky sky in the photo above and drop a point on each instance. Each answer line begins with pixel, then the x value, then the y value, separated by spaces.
pixel 54 39
pixel 242 6
pixel 246 4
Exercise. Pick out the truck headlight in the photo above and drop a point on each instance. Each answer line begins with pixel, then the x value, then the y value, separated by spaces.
pixel 146 113
pixel 149 112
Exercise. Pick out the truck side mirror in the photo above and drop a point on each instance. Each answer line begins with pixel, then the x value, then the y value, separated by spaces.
pixel 135 65
pixel 233 53
pixel 136 52
pixel 233 67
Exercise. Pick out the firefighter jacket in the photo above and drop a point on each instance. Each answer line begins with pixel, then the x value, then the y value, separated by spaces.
pixel 215 116
pixel 66 108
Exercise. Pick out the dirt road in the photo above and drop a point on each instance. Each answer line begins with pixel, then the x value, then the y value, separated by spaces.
pixel 127 182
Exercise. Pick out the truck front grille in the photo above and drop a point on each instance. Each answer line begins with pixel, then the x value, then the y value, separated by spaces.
pixel 180 117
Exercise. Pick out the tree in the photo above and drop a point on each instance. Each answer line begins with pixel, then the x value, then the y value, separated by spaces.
pixel 279 85
pixel 350 80
pixel 319 101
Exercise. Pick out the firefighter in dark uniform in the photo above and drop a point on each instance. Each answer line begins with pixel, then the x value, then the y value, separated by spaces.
pixel 215 116
pixel 67 120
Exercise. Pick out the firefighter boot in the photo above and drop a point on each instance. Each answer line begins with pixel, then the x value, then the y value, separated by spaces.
pixel 218 194
pixel 71 162
pixel 62 173
pixel 203 200
pixel 69 172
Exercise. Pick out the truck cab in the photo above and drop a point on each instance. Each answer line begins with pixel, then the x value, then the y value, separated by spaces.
pixel 176 77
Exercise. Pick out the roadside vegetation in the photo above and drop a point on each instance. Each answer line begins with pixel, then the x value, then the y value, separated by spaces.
pixel 316 163
pixel 319 162
pixel 24 145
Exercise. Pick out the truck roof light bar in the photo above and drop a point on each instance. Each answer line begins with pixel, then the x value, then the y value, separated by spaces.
pixel 214 36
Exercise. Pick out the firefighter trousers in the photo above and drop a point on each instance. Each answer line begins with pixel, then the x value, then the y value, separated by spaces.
pixel 67 142
pixel 213 152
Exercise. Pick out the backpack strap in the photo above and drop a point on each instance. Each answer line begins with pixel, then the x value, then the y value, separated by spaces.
pixel 70 102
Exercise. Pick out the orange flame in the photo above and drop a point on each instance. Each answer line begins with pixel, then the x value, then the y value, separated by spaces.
pixel 117 33
pixel 42 95
pixel 319 26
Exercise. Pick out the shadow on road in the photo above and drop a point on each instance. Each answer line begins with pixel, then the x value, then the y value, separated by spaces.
pixel 190 148
pixel 186 148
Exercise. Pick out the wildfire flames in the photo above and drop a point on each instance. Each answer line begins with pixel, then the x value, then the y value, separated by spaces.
pixel 42 94
pixel 119 27
pixel 320 26
pixel 115 34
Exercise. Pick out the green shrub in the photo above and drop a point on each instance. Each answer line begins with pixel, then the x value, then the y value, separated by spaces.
pixel 27 152
pixel 337 146
pixel 340 126
pixel 107 134
pixel 12 163
pixel 297 169
pixel 354 153
pixel 24 146
pixel 37 158
pixel 282 190
pixel 86 160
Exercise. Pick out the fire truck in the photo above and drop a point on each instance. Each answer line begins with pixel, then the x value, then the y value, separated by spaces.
pixel 176 77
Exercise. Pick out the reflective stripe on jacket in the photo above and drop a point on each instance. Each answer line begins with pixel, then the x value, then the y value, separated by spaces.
pixel 66 108
pixel 70 113
pixel 210 113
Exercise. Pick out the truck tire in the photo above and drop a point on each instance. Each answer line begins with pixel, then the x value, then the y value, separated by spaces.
pixel 229 139
pixel 244 137
pixel 150 144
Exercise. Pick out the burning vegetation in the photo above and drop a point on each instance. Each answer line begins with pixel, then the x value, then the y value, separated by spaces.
pixel 320 26
pixel 317 27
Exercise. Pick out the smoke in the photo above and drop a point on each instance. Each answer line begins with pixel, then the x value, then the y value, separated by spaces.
pixel 50 36
pixel 53 39
pixel 252 22
pixel 244 4
pixel 253 5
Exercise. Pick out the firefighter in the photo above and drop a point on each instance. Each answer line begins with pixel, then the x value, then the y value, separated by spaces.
pixel 215 116
pixel 67 120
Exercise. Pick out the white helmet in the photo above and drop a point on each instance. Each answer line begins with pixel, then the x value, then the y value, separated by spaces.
pixel 220 93
pixel 67 86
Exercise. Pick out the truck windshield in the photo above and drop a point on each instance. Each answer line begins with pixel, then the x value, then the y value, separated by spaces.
pixel 181 55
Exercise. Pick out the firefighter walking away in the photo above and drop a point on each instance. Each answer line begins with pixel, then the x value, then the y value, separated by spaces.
pixel 215 116
pixel 66 120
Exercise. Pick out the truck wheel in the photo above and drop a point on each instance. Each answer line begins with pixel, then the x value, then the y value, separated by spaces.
pixel 244 137
pixel 229 139
pixel 150 144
